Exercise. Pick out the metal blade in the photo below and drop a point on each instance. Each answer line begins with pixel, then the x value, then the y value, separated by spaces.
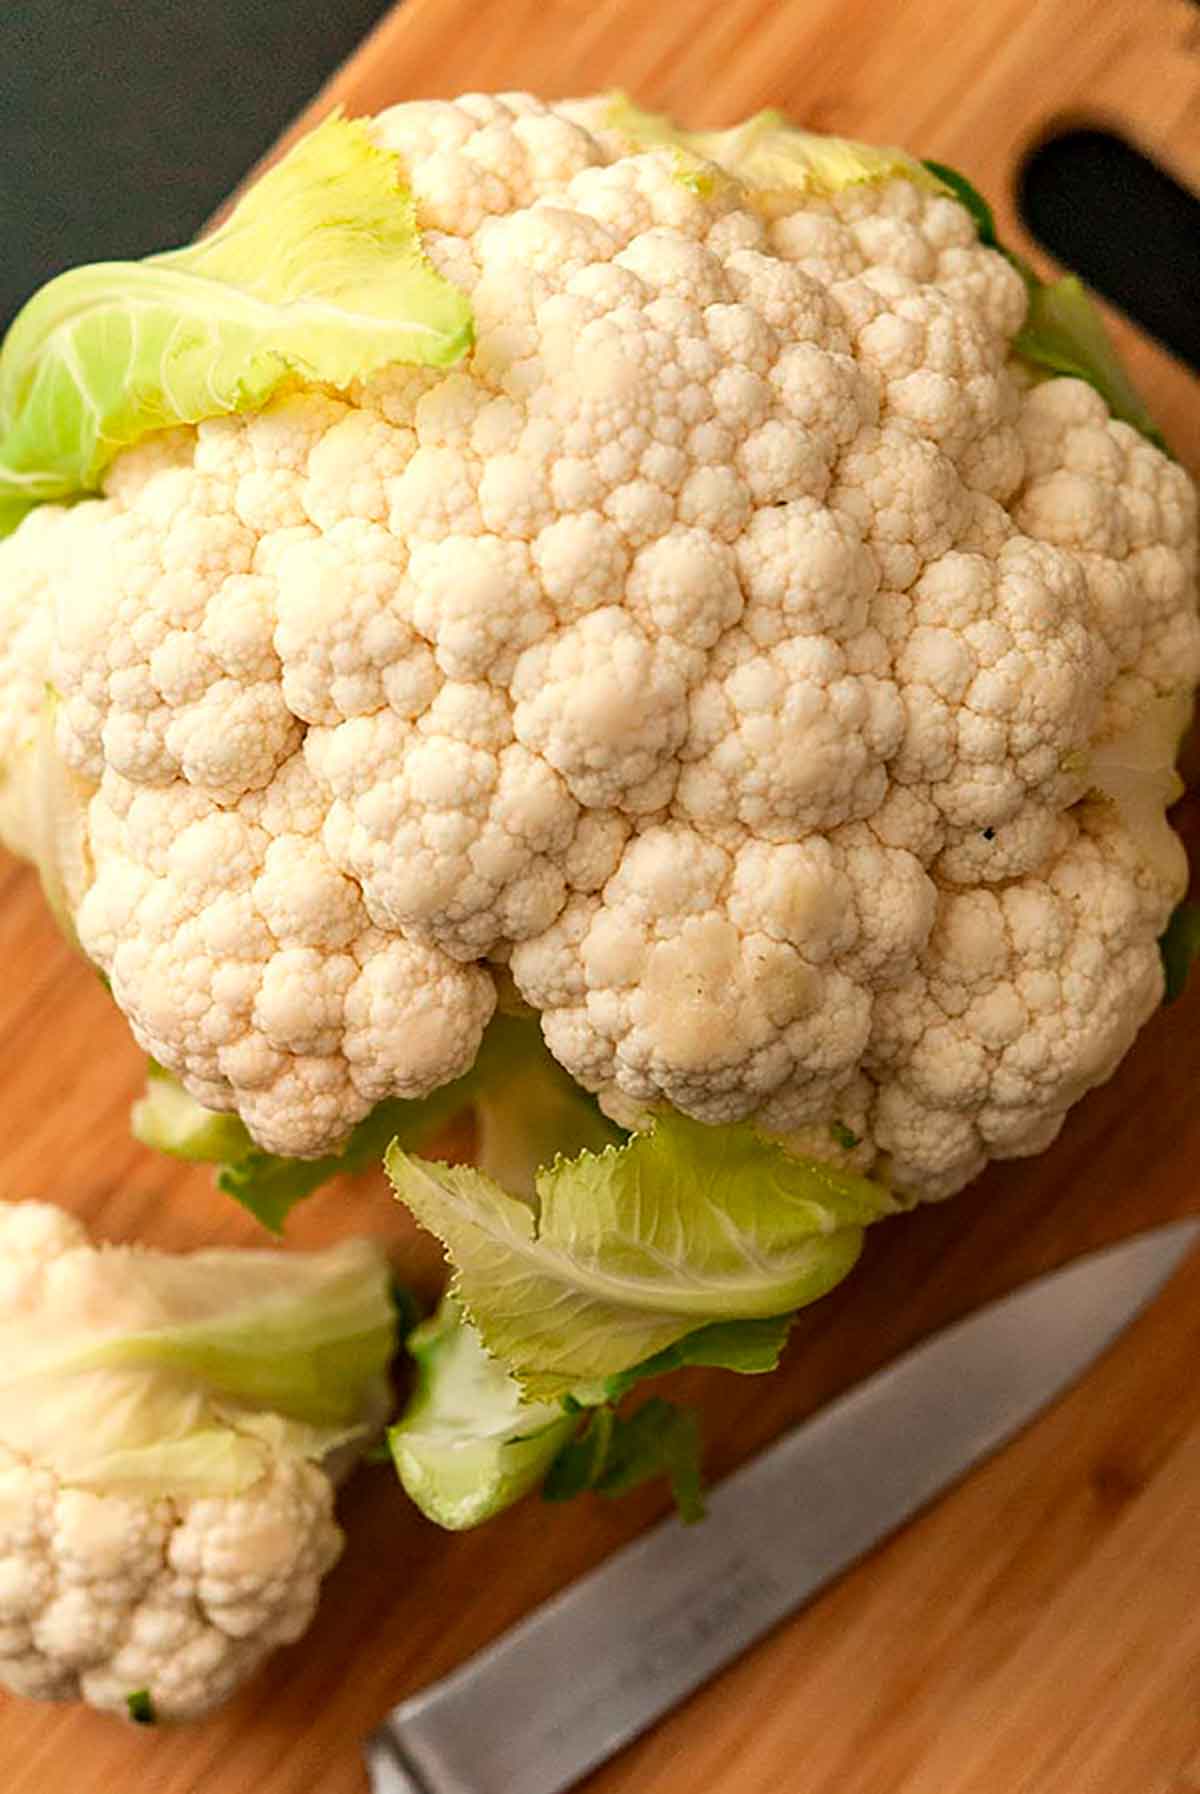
pixel 582 1676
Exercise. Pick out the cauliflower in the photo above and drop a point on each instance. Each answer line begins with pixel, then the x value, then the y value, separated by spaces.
pixel 619 631
pixel 735 645
pixel 168 1429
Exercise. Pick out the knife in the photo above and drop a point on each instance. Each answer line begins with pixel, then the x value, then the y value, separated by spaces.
pixel 586 1673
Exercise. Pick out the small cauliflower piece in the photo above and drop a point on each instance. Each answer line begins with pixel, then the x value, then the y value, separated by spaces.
pixel 244 957
pixel 164 1523
pixel 736 642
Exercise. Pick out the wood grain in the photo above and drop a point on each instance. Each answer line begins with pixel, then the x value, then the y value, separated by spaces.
pixel 1038 1632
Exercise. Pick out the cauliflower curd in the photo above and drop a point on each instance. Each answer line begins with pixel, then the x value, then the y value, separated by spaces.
pixel 729 645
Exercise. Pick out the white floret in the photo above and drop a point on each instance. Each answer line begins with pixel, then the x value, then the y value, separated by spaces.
pixel 104 1596
pixel 1024 998
pixel 787 739
pixel 248 962
pixel 605 704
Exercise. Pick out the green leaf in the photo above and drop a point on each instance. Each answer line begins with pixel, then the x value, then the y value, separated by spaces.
pixel 657 1439
pixel 270 1186
pixel 750 1347
pixel 970 197
pixel 1180 948
pixel 766 152
pixel 299 1334
pixel 846 1138
pixel 149 1373
pixel 141 1707
pixel 168 1119
pixel 467 1445
pixel 1064 334
pixel 623 1253
pixel 615 1453
pixel 318 275
pixel 582 1459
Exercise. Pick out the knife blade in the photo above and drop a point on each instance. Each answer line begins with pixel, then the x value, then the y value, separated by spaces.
pixel 582 1676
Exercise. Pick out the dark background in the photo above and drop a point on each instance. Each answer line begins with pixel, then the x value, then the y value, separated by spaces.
pixel 1125 224
pixel 124 123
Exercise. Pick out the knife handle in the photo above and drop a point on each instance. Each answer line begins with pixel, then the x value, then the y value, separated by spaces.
pixel 387 1769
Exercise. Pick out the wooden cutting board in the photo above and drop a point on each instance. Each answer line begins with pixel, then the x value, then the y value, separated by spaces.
pixel 1038 1632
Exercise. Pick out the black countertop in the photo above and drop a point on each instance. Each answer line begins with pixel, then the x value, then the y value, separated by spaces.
pixel 122 125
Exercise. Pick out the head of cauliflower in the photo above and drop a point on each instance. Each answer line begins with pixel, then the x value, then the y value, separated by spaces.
pixel 729 646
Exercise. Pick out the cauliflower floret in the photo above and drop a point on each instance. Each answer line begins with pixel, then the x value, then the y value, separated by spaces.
pixel 163 1528
pixel 454 829
pixel 734 612
pixel 105 1596
pixel 729 983
pixel 1023 999
pixel 248 962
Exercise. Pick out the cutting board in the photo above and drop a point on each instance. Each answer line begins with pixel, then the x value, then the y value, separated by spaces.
pixel 1038 1632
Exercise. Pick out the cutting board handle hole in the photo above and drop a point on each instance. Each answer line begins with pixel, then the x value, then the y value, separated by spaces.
pixel 1122 222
